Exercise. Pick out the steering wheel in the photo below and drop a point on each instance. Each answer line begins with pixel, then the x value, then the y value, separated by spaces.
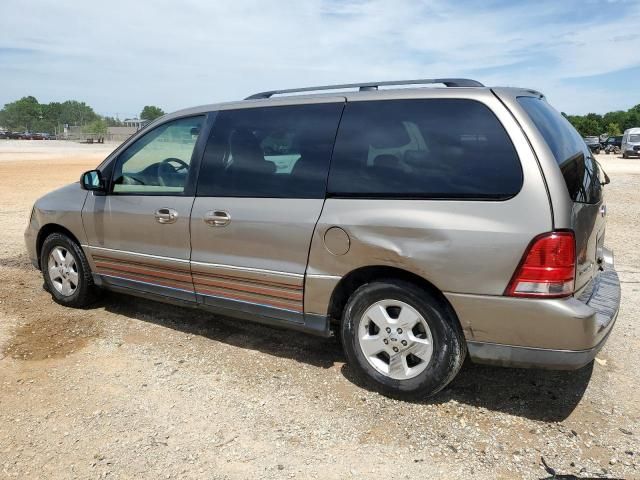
pixel 166 167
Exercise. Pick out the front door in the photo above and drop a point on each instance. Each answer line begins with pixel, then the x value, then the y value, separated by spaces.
pixel 138 233
pixel 260 193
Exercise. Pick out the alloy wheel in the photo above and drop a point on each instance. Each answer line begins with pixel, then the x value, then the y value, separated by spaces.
pixel 395 339
pixel 63 271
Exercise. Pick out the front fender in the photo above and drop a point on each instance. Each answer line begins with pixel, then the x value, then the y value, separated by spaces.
pixel 57 210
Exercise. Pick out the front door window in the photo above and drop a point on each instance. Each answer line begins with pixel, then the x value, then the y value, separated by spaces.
pixel 158 162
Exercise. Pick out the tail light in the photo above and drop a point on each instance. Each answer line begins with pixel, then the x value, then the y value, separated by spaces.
pixel 547 269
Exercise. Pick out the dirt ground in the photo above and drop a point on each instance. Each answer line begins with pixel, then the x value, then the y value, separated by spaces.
pixel 133 389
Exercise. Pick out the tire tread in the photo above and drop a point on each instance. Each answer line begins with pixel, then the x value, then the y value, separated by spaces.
pixel 429 382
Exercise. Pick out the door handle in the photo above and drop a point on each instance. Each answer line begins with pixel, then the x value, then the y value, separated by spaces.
pixel 166 215
pixel 217 218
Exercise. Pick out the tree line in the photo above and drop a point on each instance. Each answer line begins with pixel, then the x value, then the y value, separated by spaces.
pixel 611 123
pixel 27 114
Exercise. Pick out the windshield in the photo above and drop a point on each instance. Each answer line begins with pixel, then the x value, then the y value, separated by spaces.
pixel 634 138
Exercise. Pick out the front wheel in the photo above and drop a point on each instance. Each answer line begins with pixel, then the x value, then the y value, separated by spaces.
pixel 401 339
pixel 66 271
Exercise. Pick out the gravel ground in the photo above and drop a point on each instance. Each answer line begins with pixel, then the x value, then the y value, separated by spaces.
pixel 132 389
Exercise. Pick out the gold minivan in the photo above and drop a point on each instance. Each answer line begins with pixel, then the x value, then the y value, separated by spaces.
pixel 421 224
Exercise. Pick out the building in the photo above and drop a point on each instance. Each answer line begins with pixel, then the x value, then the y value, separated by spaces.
pixel 136 123
pixel 120 134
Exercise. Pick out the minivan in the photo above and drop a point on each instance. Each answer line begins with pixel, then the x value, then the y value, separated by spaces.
pixel 631 142
pixel 421 225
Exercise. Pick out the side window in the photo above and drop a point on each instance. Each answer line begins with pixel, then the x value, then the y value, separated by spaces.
pixel 270 152
pixel 159 161
pixel 430 148
pixel 578 167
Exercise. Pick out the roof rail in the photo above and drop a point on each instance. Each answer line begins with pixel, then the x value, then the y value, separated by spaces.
pixel 449 82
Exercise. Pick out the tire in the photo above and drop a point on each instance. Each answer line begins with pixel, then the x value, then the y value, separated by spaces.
pixel 73 285
pixel 411 377
pixel 624 155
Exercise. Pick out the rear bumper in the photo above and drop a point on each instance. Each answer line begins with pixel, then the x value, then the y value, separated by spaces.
pixel 556 334
pixel 528 357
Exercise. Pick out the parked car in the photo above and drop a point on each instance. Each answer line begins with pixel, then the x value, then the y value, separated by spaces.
pixel 37 136
pixel 421 225
pixel 15 135
pixel 4 134
pixel 631 142
pixel 593 143
pixel 616 141
pixel 613 144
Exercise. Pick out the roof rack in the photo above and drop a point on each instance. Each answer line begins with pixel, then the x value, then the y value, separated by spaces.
pixel 449 82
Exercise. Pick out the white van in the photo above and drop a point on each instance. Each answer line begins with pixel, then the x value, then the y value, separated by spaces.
pixel 631 142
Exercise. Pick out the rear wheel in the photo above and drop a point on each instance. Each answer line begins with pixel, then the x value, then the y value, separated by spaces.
pixel 624 155
pixel 66 271
pixel 401 339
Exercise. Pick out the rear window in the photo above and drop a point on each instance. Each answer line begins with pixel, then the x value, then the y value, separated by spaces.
pixel 431 148
pixel 579 168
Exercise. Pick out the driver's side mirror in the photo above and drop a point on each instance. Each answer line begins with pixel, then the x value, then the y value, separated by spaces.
pixel 93 181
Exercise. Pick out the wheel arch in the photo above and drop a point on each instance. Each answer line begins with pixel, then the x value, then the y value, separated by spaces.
pixel 47 230
pixel 363 275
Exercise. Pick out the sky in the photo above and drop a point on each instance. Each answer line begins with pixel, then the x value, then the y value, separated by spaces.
pixel 118 56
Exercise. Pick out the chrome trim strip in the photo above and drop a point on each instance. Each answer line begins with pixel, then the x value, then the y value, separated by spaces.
pixel 249 269
pixel 203 264
pixel 297 312
pixel 144 283
pixel 179 260
pixel 321 276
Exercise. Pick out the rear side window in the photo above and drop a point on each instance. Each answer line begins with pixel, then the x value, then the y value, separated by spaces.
pixel 271 152
pixel 431 148
pixel 579 168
